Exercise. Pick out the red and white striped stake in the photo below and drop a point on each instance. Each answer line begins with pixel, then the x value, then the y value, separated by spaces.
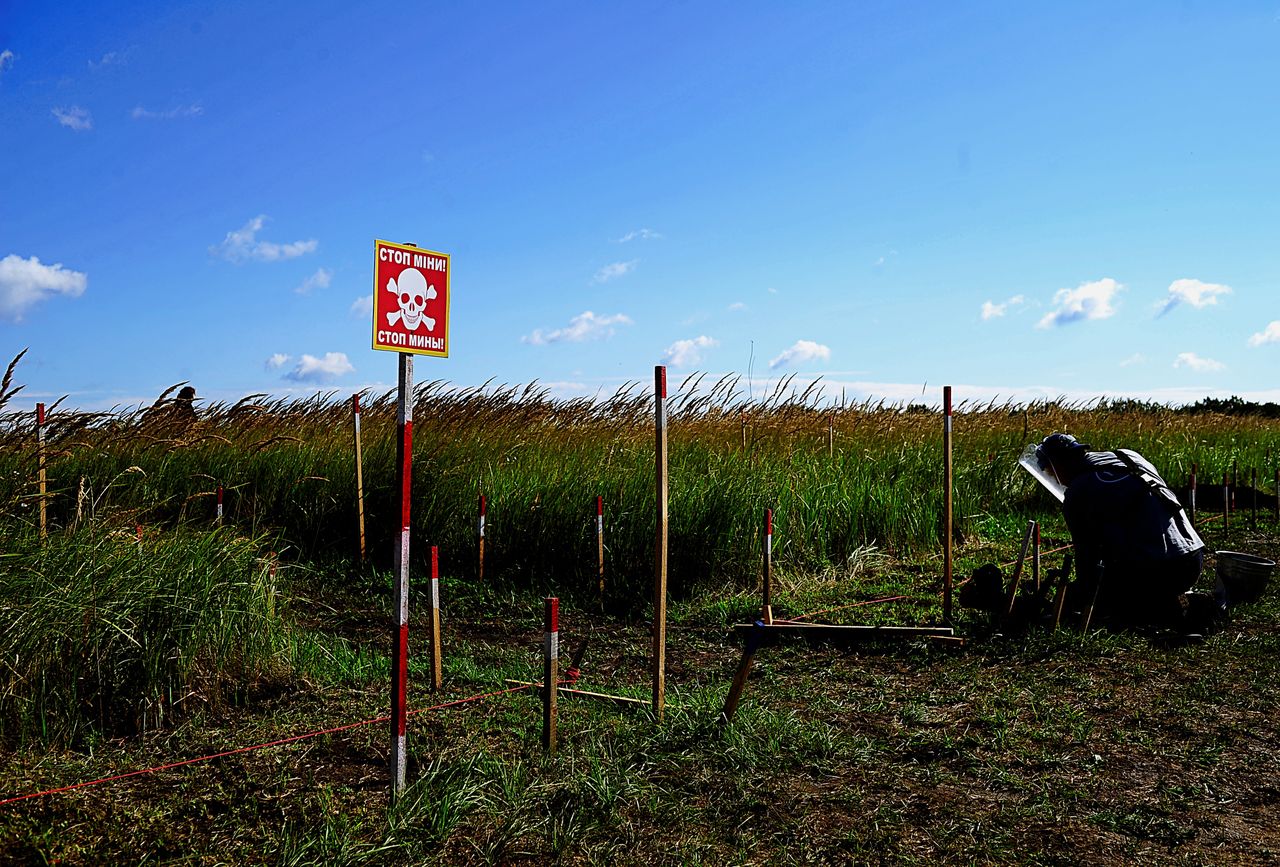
pixel 660 544
pixel 217 514
pixel 480 540
pixel 550 671
pixel 400 642
pixel 600 544
pixel 437 668
pixel 355 419
pixel 766 584
pixel 41 472
pixel 946 503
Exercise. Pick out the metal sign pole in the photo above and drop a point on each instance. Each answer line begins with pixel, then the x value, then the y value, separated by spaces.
pixel 400 639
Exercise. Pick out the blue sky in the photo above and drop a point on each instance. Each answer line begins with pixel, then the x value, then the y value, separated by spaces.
pixel 1015 199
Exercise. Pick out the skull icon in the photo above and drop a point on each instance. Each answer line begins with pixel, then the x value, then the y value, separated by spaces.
pixel 412 294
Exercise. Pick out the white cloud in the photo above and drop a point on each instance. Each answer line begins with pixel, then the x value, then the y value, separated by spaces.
pixel 362 306
pixel 26 282
pixel 277 361
pixel 242 244
pixel 991 310
pixel 639 234
pixel 1192 292
pixel 1136 358
pixel 1090 300
pixel 1196 363
pixel 319 280
pixel 772 291
pixel 312 369
pixel 737 305
pixel 75 118
pixel 1270 334
pixel 193 110
pixel 800 352
pixel 6 60
pixel 584 326
pixel 615 270
pixel 683 353
pixel 111 58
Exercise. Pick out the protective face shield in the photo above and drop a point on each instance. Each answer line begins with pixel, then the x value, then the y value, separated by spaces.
pixel 1030 462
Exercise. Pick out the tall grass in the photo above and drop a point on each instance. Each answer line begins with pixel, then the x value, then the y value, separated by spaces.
pixel 103 632
pixel 287 466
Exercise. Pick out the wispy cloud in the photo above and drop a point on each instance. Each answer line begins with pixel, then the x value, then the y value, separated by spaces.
pixel 242 244
pixel 6 60
pixel 26 282
pixel 1136 358
pixel 1270 334
pixel 800 352
pixel 737 305
pixel 584 326
pixel 111 58
pixel 991 310
pixel 319 280
pixel 615 270
pixel 772 291
pixel 1091 300
pixel 1194 362
pixel 75 117
pixel 1193 292
pixel 639 235
pixel 193 110
pixel 277 361
pixel 362 306
pixel 683 353
pixel 312 369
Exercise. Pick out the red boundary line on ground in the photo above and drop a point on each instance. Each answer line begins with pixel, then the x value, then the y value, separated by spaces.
pixel 239 750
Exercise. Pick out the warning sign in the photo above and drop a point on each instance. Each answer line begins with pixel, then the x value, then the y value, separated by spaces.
pixel 410 299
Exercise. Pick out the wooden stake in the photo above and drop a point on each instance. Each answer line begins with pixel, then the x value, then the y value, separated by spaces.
pixel 1097 588
pixel 41 478
pixel 480 540
pixel 946 503
pixel 217 514
pixel 1035 558
pixel 1226 503
pixel 1061 598
pixel 831 436
pixel 739 683
pixel 1253 497
pixel 1017 570
pixel 766 584
pixel 600 545
pixel 400 639
pixel 1192 494
pixel 660 552
pixel 742 417
pixel 355 420
pixel 433 617
pixel 550 671
pixel 1276 489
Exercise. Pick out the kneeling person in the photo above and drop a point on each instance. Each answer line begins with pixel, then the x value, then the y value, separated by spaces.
pixel 1129 531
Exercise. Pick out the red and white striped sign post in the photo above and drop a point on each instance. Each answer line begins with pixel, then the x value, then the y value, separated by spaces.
pixel 217 509
pixel 550 671
pixel 660 544
pixel 400 651
pixel 411 297
pixel 355 422
pixel 766 584
pixel 40 472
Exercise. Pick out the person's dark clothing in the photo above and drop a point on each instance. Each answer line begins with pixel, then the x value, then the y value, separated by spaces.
pixel 1122 515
